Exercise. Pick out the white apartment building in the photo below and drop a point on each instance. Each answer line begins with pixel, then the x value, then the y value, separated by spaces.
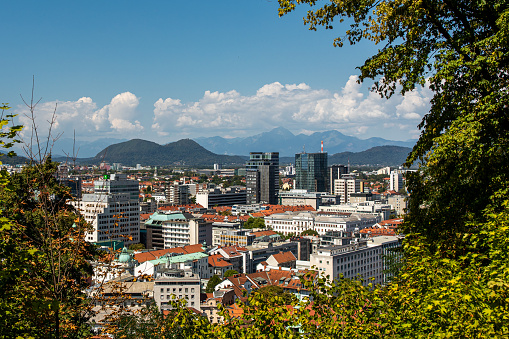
pixel 396 181
pixel 360 259
pixel 298 222
pixel 345 186
pixel 113 210
pixel 176 284
pixel 113 217
pixel 371 207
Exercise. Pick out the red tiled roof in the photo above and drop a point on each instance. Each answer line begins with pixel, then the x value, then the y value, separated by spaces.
pixel 217 260
pixel 284 257
pixel 263 233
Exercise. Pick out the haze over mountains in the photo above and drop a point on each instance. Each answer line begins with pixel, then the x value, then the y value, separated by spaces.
pixel 207 151
pixel 287 144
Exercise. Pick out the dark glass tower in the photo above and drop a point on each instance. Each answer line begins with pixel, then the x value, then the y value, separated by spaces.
pixel 262 178
pixel 311 171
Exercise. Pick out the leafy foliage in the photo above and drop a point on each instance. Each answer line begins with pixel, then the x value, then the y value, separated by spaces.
pixel 229 273
pixel 212 283
pixel 309 232
pixel 254 223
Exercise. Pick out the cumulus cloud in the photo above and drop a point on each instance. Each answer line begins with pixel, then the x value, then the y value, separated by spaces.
pixel 352 110
pixel 84 117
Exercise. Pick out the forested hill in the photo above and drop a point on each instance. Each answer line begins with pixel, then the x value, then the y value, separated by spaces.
pixel 375 156
pixel 182 152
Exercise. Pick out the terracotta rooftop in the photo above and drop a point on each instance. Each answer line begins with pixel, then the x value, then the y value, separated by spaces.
pixel 284 257
pixel 217 260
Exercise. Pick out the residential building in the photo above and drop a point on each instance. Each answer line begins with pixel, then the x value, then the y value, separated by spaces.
pixel 335 172
pixel 113 210
pixel 396 181
pixel 178 194
pixel 345 186
pixel 228 237
pixel 399 203
pixel 262 178
pixel 176 229
pixel 282 259
pixel 311 172
pixel 359 259
pixel 366 207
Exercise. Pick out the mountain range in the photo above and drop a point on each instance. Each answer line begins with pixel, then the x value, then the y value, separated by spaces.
pixel 287 144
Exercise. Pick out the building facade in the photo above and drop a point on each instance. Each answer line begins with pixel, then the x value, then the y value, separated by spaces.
pixel 363 259
pixel 262 178
pixel 222 197
pixel 335 172
pixel 346 186
pixel 295 223
pixel 175 284
pixel 311 172
pixel 113 210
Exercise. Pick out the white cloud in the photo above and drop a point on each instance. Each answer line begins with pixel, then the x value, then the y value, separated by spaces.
pixel 298 107
pixel 84 117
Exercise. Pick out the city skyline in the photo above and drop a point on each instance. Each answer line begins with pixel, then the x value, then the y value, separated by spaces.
pixel 171 71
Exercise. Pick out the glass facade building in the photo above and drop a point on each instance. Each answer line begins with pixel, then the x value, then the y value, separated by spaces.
pixel 311 172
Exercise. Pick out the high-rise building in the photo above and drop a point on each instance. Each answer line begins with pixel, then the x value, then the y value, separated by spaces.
pixel 346 186
pixel 113 210
pixel 262 178
pixel 311 171
pixel 396 181
pixel 336 172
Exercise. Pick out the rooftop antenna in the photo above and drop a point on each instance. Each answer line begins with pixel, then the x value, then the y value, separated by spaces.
pixel 322 147
pixel 304 149
pixel 348 169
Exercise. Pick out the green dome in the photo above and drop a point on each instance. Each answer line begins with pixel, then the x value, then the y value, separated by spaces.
pixel 124 257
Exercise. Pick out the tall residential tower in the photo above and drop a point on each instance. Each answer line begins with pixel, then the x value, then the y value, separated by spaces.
pixel 262 178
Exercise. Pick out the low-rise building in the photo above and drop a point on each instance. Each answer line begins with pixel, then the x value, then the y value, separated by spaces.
pixel 234 195
pixel 359 259
pixel 295 223
pixel 175 284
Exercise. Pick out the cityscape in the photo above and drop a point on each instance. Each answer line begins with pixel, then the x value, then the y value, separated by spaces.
pixel 216 170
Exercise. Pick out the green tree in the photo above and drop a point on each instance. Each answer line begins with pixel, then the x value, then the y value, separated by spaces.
pixel 309 232
pixel 453 269
pixel 254 223
pixel 44 257
pixel 212 283
pixel 229 273
pixel 136 247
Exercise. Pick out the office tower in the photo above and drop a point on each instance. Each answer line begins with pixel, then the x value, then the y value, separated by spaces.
pixel 262 178
pixel 311 171
pixel 336 172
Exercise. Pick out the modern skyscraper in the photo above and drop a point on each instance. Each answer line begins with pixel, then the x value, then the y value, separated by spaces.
pixel 311 171
pixel 262 178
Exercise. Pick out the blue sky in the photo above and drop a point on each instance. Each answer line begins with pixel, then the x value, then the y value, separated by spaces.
pixel 166 70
